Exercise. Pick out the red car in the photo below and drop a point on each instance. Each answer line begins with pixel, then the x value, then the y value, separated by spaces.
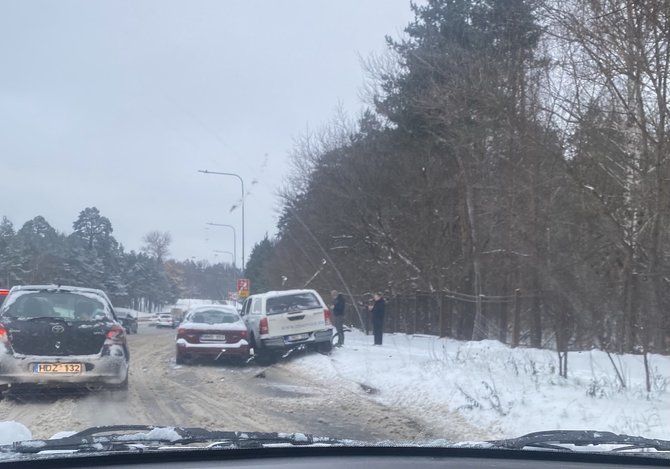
pixel 3 295
pixel 212 331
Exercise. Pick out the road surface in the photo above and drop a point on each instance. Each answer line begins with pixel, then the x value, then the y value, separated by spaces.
pixel 215 396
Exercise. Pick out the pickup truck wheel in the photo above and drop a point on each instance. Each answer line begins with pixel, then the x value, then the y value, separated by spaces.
pixel 262 355
pixel 240 361
pixel 265 357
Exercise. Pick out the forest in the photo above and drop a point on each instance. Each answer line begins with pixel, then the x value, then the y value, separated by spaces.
pixel 90 256
pixel 510 151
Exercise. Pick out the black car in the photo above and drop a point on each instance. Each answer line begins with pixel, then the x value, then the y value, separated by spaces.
pixel 56 336
pixel 128 318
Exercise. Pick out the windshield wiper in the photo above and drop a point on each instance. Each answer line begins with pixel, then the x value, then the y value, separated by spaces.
pixel 138 438
pixel 147 437
pixel 553 439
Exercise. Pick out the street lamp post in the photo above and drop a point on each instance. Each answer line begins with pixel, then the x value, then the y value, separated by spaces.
pixel 234 238
pixel 242 183
pixel 227 252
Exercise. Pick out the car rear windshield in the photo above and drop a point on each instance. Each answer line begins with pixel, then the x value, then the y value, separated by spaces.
pixel 62 305
pixel 214 316
pixel 292 302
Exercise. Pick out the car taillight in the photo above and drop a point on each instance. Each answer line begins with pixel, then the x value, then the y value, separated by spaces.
pixel 327 315
pixel 4 338
pixel 116 336
pixel 264 326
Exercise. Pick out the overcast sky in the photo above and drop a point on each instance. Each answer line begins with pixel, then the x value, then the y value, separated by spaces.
pixel 117 104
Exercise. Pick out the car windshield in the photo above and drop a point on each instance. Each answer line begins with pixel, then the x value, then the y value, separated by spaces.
pixel 62 305
pixel 430 222
pixel 295 302
pixel 214 316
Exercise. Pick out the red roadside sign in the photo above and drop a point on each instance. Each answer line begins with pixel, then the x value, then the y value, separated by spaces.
pixel 243 285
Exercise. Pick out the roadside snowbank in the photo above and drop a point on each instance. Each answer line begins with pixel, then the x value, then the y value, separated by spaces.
pixel 506 392
pixel 11 432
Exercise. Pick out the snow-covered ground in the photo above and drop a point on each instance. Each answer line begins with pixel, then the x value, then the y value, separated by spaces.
pixel 13 431
pixel 418 388
pixel 503 391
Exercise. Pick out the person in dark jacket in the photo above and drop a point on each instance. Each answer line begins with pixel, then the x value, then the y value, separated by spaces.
pixel 377 311
pixel 337 308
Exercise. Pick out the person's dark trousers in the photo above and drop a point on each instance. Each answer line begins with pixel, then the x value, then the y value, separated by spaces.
pixel 338 319
pixel 378 329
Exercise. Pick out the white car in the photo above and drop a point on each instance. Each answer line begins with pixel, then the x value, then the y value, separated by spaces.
pixel 281 320
pixel 165 320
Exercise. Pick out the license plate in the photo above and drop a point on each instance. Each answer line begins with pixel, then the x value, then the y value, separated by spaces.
pixel 295 337
pixel 217 337
pixel 50 368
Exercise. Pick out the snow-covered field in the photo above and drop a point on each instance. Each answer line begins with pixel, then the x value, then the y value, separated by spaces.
pixel 503 391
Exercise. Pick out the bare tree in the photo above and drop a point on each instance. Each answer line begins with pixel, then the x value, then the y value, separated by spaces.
pixel 157 244
pixel 619 63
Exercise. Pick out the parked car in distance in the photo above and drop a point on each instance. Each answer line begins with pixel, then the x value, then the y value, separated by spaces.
pixel 213 331
pixel 165 320
pixel 61 336
pixel 127 317
pixel 281 320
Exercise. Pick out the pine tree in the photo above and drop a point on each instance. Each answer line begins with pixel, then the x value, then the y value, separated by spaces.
pixel 93 228
pixel 255 268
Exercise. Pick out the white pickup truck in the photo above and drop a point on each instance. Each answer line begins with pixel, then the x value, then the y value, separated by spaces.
pixel 281 320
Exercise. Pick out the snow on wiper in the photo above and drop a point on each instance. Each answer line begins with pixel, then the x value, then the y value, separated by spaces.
pixel 556 438
pixel 147 437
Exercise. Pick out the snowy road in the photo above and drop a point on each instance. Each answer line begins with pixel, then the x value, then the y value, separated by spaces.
pixel 277 398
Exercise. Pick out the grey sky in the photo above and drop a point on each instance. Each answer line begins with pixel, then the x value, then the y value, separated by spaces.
pixel 117 104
